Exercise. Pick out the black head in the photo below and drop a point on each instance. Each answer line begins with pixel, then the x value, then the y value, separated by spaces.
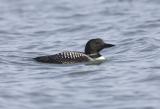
pixel 94 46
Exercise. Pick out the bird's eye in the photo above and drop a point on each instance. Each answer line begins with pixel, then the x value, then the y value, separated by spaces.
pixel 97 43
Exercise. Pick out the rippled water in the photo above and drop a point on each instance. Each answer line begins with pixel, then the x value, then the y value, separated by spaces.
pixel 130 79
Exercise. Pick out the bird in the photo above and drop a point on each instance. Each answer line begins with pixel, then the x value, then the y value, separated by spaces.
pixel 91 54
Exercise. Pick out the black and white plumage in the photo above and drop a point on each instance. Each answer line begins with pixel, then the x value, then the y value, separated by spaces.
pixel 66 57
pixel 91 54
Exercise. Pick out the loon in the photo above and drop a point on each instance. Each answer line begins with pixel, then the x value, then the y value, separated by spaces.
pixel 91 54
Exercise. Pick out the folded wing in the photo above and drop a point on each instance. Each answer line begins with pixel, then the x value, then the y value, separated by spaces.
pixel 67 57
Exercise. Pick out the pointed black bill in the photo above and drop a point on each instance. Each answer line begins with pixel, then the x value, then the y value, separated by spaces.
pixel 108 45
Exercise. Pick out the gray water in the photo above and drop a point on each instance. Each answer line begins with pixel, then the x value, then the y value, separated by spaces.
pixel 129 79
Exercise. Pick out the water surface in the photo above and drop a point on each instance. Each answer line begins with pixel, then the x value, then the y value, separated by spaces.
pixel 130 79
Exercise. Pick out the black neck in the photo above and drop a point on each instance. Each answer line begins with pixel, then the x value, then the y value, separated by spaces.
pixel 95 55
pixel 89 50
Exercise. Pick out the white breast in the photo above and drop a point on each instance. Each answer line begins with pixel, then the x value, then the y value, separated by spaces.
pixel 98 60
pixel 101 58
